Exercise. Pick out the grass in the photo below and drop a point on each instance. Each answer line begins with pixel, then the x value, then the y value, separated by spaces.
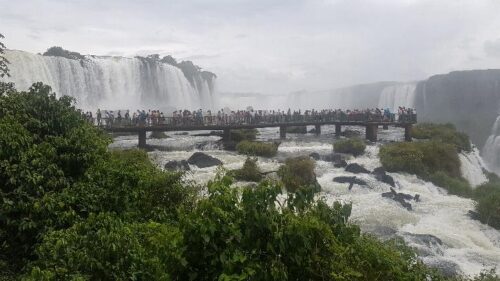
pixel 249 172
pixel 445 133
pixel 487 198
pixel 253 148
pixel 354 146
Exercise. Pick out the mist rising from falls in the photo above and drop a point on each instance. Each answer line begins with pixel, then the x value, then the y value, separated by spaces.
pixel 113 82
pixel 393 97
pixel 491 150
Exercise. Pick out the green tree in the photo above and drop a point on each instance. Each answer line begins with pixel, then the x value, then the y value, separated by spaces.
pixel 4 68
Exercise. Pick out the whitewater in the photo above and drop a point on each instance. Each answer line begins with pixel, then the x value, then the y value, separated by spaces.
pixel 112 82
pixel 439 226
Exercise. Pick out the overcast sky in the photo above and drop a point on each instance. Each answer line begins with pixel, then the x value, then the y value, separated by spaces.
pixel 271 46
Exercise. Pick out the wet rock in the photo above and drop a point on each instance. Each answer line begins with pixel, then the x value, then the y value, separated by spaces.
pixel 212 133
pixel 334 157
pixel 202 160
pixel 340 164
pixel 182 165
pixel 382 176
pixel 351 181
pixel 426 239
pixel 315 156
pixel 356 169
pixel 181 134
pixel 401 198
pixel 473 215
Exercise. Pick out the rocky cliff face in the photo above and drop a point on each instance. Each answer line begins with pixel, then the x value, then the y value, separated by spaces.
pixel 468 99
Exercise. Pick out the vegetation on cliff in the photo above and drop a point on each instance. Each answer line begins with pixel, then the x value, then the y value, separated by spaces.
pixel 73 210
pixel 445 133
pixel 255 148
pixel 60 52
pixel 354 146
pixel 4 67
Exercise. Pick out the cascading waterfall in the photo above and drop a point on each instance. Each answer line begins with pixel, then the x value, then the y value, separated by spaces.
pixel 112 82
pixel 491 149
pixel 394 96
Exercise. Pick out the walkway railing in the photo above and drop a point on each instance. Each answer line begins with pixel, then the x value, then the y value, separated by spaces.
pixel 229 120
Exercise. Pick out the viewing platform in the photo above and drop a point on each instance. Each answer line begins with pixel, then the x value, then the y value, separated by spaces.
pixel 166 124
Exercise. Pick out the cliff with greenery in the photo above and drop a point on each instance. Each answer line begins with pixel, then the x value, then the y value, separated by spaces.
pixel 73 210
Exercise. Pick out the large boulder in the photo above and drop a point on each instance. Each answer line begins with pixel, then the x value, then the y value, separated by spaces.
pixel 340 164
pixel 337 159
pixel 182 165
pixel 356 169
pixel 202 160
pixel 315 156
pixel 351 181
pixel 382 176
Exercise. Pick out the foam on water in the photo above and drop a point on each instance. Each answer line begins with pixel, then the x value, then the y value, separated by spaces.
pixel 472 166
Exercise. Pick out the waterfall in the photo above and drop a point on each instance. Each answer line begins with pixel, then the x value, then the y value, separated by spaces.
pixel 491 149
pixel 471 167
pixel 397 95
pixel 112 82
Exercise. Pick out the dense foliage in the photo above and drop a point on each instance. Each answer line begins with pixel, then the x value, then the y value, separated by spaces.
pixel 73 210
pixel 421 158
pixel 4 68
pixel 298 174
pixel 354 146
pixel 446 133
pixel 249 172
pixel 487 197
pixel 60 52
pixel 255 148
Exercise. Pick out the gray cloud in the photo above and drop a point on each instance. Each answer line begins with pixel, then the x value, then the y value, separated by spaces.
pixel 271 46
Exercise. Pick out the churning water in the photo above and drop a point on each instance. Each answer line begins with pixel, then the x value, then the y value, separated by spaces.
pixel 439 226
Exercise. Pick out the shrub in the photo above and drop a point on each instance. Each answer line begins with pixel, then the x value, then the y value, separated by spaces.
pixel 244 134
pixel 488 203
pixel 402 157
pixel 249 172
pixel 354 146
pixel 253 148
pixel 298 173
pixel 446 133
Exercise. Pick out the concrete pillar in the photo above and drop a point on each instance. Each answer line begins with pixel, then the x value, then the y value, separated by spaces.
pixel 282 132
pixel 385 127
pixel 226 136
pixel 408 132
pixel 338 129
pixel 371 132
pixel 142 139
pixel 317 130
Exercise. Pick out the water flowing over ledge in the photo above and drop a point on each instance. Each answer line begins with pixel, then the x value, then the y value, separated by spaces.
pixel 113 82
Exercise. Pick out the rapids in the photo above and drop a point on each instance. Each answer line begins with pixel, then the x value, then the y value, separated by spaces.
pixel 439 226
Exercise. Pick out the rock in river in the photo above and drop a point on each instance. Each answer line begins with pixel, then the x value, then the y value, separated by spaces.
pixel 177 165
pixel 202 160
pixel 356 169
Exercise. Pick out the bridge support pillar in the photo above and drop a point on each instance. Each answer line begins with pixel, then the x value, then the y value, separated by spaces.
pixel 317 130
pixel 226 136
pixel 338 129
pixel 282 132
pixel 371 132
pixel 408 132
pixel 385 127
pixel 142 139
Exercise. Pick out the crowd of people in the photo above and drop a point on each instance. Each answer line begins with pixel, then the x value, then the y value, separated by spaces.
pixel 249 116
